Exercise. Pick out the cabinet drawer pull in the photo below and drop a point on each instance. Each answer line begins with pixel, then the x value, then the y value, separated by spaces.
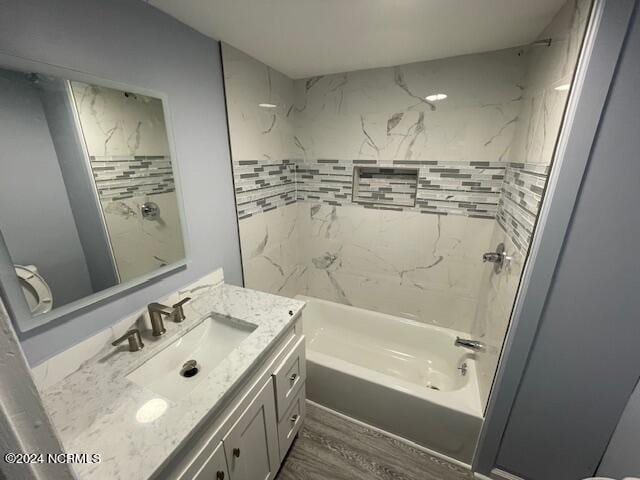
pixel 293 377
pixel 220 475
pixel 236 452
pixel 294 418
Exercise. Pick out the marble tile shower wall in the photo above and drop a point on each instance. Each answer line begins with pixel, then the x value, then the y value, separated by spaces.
pixel 525 178
pixel 419 261
pixel 263 156
pixel 375 118
pixel 482 154
pixel 301 231
pixel 380 118
pixel 543 106
pixel 419 266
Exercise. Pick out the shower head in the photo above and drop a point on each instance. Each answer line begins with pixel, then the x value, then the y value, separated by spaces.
pixel 543 42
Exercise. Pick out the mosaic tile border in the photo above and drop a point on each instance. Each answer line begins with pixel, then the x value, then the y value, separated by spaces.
pixel 263 185
pixel 461 188
pixel 122 177
pixel 509 192
pixel 520 201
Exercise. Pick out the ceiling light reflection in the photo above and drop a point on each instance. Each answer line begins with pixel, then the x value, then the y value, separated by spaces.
pixel 152 410
pixel 435 97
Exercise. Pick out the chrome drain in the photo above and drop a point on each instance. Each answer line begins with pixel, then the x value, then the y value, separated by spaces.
pixel 190 369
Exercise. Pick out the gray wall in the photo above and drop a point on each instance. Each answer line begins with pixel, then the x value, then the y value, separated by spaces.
pixel 585 361
pixel 621 458
pixel 35 215
pixel 128 41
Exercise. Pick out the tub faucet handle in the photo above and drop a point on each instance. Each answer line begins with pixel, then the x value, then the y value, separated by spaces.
pixel 499 258
pixel 493 257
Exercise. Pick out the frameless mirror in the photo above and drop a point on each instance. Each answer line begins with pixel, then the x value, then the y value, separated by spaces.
pixel 88 192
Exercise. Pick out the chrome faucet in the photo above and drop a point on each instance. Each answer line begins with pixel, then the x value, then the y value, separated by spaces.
pixel 134 338
pixel 158 310
pixel 468 343
pixel 493 257
pixel 499 258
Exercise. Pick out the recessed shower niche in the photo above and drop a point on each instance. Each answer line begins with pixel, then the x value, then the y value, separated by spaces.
pixel 385 186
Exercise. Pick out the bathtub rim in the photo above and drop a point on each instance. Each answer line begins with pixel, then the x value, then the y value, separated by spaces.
pixel 396 318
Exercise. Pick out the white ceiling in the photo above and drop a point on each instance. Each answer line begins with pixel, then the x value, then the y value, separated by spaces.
pixel 302 38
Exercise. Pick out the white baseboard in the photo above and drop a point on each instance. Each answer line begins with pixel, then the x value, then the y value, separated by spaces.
pixel 497 474
pixel 479 476
pixel 426 450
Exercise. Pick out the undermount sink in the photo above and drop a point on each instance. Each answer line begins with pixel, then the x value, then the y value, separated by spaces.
pixel 177 369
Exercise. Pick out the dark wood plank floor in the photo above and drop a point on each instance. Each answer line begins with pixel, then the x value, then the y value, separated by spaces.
pixel 331 448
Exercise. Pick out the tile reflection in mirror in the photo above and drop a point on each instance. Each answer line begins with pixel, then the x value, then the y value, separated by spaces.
pixel 91 202
pixel 126 140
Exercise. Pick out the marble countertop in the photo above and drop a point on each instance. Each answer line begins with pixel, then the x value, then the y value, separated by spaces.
pixel 94 409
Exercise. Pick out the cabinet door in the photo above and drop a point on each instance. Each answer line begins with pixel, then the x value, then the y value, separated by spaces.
pixel 251 446
pixel 215 468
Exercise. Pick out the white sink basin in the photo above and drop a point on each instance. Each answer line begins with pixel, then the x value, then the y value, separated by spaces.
pixel 208 344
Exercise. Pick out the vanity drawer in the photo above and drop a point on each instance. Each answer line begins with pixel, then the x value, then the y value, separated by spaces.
pixel 291 423
pixel 289 376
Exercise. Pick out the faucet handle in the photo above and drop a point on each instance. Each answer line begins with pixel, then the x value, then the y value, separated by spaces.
pixel 499 258
pixel 178 310
pixel 134 338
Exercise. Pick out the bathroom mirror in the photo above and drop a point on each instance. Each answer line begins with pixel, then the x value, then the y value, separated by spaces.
pixel 88 197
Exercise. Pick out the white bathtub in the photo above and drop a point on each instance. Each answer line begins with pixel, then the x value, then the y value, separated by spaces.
pixel 395 374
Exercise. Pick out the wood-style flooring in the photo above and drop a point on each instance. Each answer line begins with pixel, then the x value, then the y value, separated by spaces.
pixel 332 448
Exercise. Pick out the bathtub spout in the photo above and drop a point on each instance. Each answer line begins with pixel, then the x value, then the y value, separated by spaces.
pixel 468 343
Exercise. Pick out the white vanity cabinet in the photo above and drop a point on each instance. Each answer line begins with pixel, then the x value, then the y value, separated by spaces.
pixel 215 467
pixel 250 436
pixel 251 446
